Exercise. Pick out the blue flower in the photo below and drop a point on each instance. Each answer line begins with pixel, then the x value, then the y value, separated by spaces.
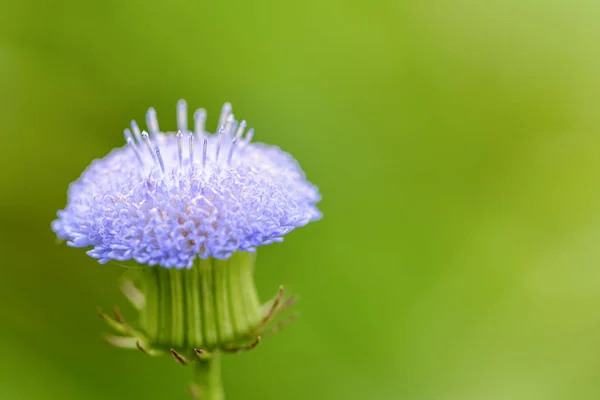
pixel 165 198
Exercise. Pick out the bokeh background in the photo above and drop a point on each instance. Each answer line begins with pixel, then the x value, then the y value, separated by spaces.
pixel 457 147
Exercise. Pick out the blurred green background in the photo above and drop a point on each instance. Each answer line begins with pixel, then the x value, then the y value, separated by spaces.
pixel 456 144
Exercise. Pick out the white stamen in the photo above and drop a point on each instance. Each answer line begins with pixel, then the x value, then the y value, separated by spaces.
pixel 249 135
pixel 131 143
pixel 152 122
pixel 205 148
pixel 225 111
pixel 136 131
pixel 146 139
pixel 240 130
pixel 229 124
pixel 182 115
pixel 234 127
pixel 160 159
pixel 191 141
pixel 126 133
pixel 219 140
pixel 233 142
pixel 180 148
pixel 200 121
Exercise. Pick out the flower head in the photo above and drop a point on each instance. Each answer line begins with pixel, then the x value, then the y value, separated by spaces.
pixel 167 198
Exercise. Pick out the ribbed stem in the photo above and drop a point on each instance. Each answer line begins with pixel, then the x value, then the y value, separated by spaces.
pixel 207 378
pixel 212 304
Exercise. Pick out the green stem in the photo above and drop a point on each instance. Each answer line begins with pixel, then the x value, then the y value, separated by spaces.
pixel 207 378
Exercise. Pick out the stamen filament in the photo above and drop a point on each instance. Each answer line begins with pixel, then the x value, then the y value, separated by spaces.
pixel 240 130
pixel 233 142
pixel 180 148
pixel 136 131
pixel 229 124
pixel 182 115
pixel 191 147
pixel 219 140
pixel 205 148
pixel 152 122
pixel 200 121
pixel 224 113
pixel 249 135
pixel 149 145
pixel 160 159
